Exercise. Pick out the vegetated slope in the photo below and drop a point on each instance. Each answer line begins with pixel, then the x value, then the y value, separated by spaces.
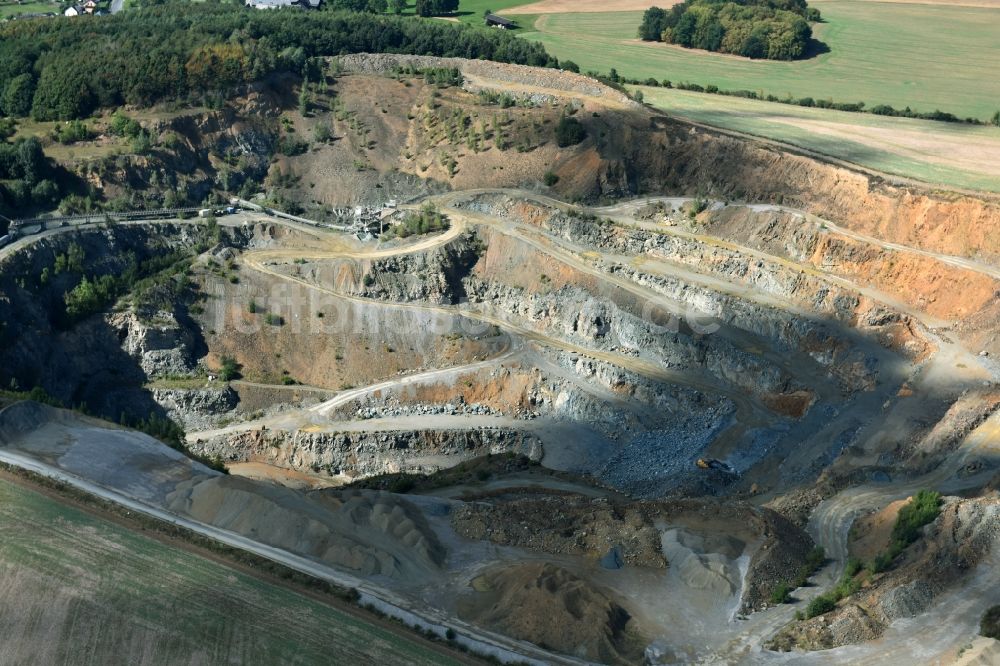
pixel 79 354
pixel 169 51
pixel 634 152
pixel 422 138
pixel 882 587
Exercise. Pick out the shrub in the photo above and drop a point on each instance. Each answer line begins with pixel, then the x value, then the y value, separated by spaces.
pixel 821 604
pixel 427 220
pixel 290 146
pixel 846 586
pixel 880 562
pixel 781 594
pixel 816 557
pixel 402 484
pixel 569 132
pixel 921 510
pixel 230 369
pixel 550 179
pixel 989 626
pixel 322 133
pixel 71 132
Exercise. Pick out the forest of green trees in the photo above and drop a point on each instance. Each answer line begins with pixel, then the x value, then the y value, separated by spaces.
pixel 60 70
pixel 27 177
pixel 772 29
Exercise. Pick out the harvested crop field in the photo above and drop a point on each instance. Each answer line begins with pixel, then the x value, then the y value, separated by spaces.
pixel 77 589
pixel 956 155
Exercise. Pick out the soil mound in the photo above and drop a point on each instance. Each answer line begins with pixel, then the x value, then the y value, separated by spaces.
pixel 698 566
pixel 551 607
pixel 367 532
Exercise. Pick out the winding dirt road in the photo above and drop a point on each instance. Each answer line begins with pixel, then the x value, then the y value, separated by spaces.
pixel 950 620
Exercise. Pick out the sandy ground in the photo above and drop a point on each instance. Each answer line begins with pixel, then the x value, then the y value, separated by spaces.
pixel 873 531
pixel 289 478
pixel 586 6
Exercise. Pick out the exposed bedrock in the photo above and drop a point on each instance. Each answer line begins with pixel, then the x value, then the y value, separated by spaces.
pixel 104 360
pixel 608 320
pixel 196 409
pixel 363 453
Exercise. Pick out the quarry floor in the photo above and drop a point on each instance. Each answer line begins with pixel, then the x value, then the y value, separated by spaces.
pixel 713 632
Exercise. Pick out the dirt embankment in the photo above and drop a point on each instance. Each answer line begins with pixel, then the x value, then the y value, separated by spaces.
pixel 945 554
pixel 363 531
pixel 549 606
pixel 592 528
pixel 681 158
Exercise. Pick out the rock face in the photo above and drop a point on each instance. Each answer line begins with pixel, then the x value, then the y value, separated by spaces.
pixel 157 342
pixel 104 360
pixel 359 454
pixel 435 277
pixel 196 409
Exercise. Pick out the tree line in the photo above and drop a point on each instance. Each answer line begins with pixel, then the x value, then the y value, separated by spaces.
pixel 28 179
pixel 772 29
pixel 61 70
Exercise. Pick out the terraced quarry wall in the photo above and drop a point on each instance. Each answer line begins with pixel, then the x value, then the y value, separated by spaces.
pixel 710 386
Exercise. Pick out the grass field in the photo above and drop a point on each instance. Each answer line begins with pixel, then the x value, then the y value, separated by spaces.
pixel 922 56
pixel 956 155
pixel 76 589
pixel 471 11
pixel 13 8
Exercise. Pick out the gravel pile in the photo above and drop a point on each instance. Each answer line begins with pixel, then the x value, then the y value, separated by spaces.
pixel 654 463
pixel 520 75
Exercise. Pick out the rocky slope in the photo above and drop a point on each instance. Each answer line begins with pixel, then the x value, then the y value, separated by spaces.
pixel 947 551
pixel 360 453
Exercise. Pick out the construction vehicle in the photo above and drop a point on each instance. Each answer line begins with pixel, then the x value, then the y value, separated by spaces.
pixel 712 463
